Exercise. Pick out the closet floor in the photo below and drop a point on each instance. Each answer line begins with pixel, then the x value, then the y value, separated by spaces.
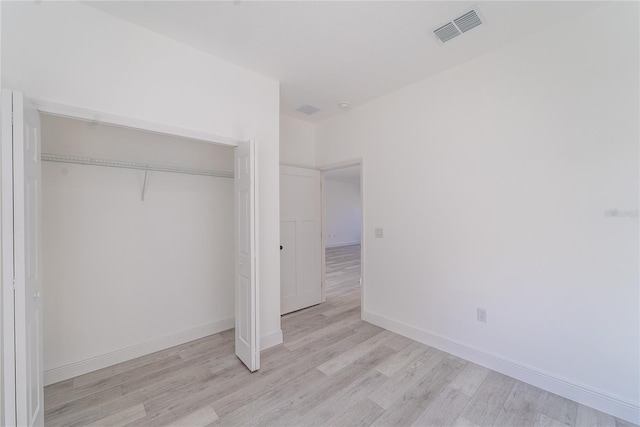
pixel 333 369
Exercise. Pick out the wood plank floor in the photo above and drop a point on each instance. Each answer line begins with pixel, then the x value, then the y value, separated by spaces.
pixel 342 271
pixel 333 369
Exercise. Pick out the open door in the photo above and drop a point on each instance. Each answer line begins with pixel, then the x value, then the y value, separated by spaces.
pixel 247 331
pixel 22 261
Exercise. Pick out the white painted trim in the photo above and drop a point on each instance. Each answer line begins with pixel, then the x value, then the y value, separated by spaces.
pixel 2 398
pixel 292 169
pixel 128 122
pixel 271 340
pixel 256 238
pixel 299 165
pixel 341 165
pixel 581 393
pixel 323 240
pixel 339 245
pixel 363 238
pixel 8 391
pixel 93 364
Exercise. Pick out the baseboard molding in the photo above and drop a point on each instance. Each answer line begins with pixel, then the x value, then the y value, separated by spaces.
pixel 598 399
pixel 93 364
pixel 339 245
pixel 270 340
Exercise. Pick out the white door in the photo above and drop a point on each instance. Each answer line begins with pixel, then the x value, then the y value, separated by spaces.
pixel 300 232
pixel 24 143
pixel 247 331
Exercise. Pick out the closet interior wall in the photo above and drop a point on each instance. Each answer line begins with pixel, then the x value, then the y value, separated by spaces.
pixel 124 276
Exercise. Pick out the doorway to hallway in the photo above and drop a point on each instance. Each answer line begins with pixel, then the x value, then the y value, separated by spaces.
pixel 342 235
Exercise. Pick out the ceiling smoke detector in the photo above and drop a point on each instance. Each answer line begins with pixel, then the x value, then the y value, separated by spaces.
pixel 344 105
pixel 457 26
pixel 307 109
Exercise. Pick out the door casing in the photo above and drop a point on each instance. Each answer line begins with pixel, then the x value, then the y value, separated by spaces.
pixel 6 220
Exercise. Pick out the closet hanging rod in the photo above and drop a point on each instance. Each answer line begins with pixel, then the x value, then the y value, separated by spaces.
pixel 132 165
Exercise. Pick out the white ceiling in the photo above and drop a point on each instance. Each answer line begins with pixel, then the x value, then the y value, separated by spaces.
pixel 325 52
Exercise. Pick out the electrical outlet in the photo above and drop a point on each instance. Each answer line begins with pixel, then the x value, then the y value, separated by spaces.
pixel 482 315
pixel 379 233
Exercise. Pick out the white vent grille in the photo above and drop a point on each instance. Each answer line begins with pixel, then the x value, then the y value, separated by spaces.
pixel 308 109
pixel 447 32
pixel 460 25
pixel 467 21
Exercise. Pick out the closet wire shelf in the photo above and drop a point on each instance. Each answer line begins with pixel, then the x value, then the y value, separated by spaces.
pixel 147 167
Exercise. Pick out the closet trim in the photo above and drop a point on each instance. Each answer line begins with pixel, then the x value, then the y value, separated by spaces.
pixel 62 110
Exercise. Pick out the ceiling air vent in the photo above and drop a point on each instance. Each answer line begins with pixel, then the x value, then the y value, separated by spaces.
pixel 446 32
pixel 460 25
pixel 468 21
pixel 307 109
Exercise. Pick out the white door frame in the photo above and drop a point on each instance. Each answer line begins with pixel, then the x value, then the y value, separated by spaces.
pixel 8 319
pixel 6 285
pixel 363 236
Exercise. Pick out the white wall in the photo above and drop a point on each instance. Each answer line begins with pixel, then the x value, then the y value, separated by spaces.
pixel 1 303
pixel 73 54
pixel 491 181
pixel 120 272
pixel 342 212
pixel 297 142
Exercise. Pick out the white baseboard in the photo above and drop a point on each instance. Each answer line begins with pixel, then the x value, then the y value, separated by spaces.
pixel 586 395
pixel 93 364
pixel 338 245
pixel 271 340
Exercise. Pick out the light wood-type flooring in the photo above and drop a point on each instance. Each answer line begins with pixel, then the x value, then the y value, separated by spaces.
pixel 333 369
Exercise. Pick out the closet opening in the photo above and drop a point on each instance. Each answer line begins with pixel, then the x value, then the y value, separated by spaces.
pixel 145 239
pixel 137 243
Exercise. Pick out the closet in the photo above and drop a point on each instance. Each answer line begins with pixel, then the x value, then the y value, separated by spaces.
pixel 137 243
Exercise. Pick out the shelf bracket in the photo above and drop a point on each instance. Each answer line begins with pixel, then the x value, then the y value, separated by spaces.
pixel 144 185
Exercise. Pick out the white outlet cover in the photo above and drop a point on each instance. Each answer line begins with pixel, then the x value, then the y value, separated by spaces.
pixel 379 233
